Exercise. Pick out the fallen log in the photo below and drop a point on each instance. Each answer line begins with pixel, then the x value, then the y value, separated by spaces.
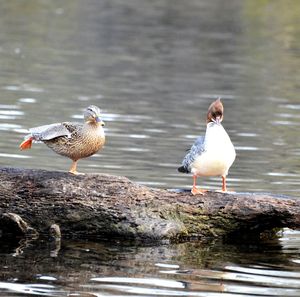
pixel 111 207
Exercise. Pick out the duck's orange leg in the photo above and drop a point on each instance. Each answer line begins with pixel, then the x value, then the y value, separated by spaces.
pixel 195 190
pixel 73 168
pixel 224 188
pixel 26 144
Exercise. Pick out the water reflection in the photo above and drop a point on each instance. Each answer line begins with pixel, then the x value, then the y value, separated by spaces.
pixel 189 269
pixel 34 289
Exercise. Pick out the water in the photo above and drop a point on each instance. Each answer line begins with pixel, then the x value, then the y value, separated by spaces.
pixel 189 269
pixel 154 67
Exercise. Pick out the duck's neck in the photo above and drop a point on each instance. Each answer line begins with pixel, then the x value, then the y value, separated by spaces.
pixel 215 135
pixel 92 126
pixel 93 129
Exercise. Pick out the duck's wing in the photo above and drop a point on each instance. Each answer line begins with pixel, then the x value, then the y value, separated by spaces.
pixel 196 150
pixel 48 132
pixel 72 127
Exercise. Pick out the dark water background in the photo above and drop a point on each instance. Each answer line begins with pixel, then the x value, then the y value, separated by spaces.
pixel 154 67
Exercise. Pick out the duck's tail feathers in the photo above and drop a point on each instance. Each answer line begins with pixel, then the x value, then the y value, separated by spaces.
pixel 26 144
pixel 183 169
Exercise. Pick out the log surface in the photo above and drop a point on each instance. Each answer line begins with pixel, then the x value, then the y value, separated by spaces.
pixel 106 207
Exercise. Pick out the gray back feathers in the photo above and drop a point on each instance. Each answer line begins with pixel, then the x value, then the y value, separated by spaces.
pixel 196 150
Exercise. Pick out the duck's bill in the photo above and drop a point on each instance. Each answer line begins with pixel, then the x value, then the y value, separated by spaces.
pixel 98 120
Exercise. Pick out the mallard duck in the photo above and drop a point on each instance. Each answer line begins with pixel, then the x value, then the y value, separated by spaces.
pixel 212 154
pixel 72 140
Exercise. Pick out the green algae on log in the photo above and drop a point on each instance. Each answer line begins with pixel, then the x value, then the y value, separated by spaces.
pixel 99 206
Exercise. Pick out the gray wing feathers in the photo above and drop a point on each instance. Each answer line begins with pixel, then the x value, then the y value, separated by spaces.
pixel 48 132
pixel 196 150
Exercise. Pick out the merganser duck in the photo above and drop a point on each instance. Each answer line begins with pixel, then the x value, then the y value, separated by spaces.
pixel 72 140
pixel 213 154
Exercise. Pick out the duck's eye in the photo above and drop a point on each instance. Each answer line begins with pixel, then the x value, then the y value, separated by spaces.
pixel 91 112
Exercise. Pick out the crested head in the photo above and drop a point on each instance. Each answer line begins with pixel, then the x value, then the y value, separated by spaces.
pixel 215 112
pixel 92 115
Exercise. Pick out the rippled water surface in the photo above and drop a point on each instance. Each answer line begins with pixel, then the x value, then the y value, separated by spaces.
pixel 269 268
pixel 153 67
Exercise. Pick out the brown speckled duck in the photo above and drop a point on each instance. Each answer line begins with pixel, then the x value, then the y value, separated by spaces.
pixel 72 140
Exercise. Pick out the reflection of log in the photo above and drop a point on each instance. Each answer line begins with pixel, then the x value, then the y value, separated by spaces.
pixel 105 206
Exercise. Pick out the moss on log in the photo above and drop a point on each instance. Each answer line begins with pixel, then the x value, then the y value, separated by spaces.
pixel 106 207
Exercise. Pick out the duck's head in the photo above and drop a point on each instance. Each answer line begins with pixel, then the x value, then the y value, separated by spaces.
pixel 215 112
pixel 92 115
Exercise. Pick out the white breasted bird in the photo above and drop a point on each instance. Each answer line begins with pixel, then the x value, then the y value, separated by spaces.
pixel 212 154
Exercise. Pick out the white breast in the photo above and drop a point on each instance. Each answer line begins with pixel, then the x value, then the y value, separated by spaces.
pixel 219 153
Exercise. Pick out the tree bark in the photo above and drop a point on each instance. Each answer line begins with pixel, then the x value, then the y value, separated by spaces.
pixel 98 206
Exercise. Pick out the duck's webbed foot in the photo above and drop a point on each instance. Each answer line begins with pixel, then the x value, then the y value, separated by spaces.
pixel 73 169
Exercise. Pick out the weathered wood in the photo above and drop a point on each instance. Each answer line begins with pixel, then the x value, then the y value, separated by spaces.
pixel 106 207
